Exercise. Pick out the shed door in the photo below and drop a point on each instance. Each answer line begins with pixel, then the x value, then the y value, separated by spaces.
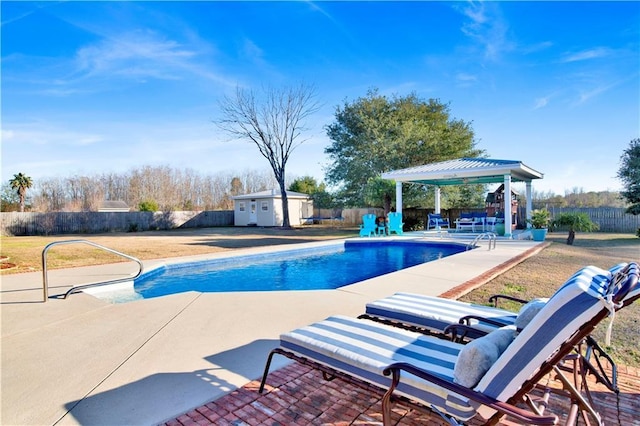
pixel 253 215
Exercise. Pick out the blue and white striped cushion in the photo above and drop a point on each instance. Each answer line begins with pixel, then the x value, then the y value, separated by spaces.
pixel 363 349
pixel 435 313
pixel 573 305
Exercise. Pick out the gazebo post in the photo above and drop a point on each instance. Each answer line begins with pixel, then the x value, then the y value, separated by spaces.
pixel 529 203
pixel 437 197
pixel 507 205
pixel 399 196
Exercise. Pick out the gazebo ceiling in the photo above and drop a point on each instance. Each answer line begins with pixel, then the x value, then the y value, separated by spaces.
pixel 465 171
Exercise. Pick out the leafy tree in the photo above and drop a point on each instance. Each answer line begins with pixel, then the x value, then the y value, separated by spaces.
pixel 375 134
pixel 378 192
pixel 629 174
pixel 274 124
pixel 466 196
pixel 324 200
pixel 9 199
pixel 576 222
pixel 21 183
pixel 308 185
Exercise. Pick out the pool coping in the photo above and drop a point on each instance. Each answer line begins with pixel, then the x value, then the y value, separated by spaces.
pixel 178 352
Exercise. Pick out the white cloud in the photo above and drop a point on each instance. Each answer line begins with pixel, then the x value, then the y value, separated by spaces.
pixel 487 28
pixel 140 53
pixel 466 77
pixel 541 102
pixel 599 52
pixel 43 134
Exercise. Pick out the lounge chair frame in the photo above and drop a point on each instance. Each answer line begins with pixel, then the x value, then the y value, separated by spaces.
pixel 388 398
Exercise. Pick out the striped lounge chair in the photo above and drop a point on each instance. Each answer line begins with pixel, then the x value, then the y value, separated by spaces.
pixel 485 378
pixel 437 314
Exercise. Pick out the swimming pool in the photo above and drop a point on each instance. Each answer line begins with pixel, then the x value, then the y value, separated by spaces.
pixel 326 267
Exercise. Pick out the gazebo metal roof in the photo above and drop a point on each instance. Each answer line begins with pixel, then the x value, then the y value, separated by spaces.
pixel 465 171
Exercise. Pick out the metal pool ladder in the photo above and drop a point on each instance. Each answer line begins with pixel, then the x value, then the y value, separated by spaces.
pixel 492 237
pixel 45 277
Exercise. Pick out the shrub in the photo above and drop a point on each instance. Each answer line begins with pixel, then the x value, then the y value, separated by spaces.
pixel 148 206
pixel 540 218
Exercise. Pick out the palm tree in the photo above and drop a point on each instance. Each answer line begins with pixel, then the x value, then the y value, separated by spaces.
pixel 575 222
pixel 21 183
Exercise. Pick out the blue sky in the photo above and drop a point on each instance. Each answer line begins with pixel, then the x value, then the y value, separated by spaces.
pixel 99 87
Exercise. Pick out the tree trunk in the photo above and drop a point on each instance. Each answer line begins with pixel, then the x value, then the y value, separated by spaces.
pixel 286 223
pixel 571 237
pixel 387 204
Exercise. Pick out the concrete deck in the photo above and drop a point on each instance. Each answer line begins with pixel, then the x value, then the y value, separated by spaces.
pixel 86 361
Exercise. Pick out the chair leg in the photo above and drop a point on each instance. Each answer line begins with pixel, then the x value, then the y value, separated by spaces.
pixel 266 370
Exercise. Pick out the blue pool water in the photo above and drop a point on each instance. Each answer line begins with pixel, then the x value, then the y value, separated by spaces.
pixel 328 267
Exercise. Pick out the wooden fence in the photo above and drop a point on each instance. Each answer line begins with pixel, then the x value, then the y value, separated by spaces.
pixel 14 223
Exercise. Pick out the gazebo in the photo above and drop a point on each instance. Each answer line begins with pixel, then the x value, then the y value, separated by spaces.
pixel 465 171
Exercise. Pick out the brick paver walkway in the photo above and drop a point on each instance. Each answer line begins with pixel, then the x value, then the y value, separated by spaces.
pixel 298 395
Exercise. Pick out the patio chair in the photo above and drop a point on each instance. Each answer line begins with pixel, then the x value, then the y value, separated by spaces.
pixel 491 224
pixel 485 378
pixel 476 221
pixel 368 226
pixel 436 221
pixel 395 223
pixel 438 315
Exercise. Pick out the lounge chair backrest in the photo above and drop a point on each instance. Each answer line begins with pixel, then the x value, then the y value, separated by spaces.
pixel 436 219
pixel 465 215
pixel 573 305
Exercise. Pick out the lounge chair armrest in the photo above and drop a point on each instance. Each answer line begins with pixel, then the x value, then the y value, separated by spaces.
pixel 466 320
pixel 494 299
pixel 461 331
pixel 503 407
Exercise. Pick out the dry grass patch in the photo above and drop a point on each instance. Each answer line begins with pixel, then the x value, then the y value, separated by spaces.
pixel 26 252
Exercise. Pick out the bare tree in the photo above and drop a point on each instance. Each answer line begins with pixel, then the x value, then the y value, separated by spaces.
pixel 274 124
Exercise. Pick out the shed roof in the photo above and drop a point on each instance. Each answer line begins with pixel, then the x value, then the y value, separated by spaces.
pixel 113 205
pixel 465 171
pixel 271 193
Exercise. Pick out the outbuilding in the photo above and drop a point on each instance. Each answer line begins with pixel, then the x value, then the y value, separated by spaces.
pixel 265 208
pixel 113 206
